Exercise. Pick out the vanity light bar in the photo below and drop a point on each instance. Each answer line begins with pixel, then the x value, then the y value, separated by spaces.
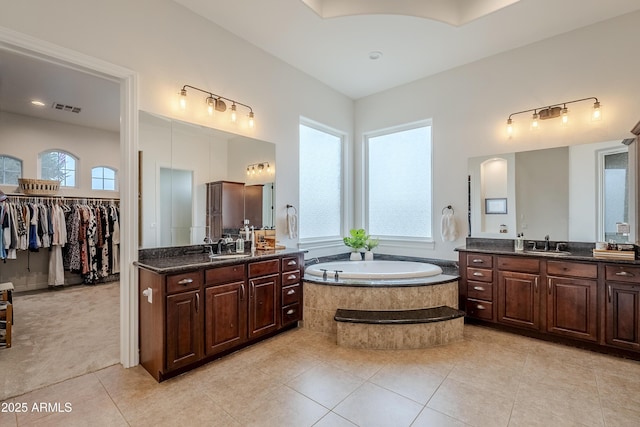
pixel 552 111
pixel 216 103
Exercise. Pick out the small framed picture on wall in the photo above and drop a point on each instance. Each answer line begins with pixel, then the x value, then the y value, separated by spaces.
pixel 495 206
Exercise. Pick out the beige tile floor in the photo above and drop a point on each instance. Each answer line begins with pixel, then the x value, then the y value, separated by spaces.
pixel 301 378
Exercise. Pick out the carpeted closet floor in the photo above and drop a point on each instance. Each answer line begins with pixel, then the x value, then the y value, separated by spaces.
pixel 60 334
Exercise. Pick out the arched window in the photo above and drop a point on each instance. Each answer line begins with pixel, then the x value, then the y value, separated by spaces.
pixel 10 170
pixel 60 166
pixel 103 178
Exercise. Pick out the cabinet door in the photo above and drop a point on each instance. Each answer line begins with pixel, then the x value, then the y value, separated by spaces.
pixel 263 307
pixel 622 325
pixel 184 329
pixel 518 299
pixel 225 319
pixel 572 307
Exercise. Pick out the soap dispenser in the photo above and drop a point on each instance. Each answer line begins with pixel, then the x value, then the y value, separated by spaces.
pixel 239 245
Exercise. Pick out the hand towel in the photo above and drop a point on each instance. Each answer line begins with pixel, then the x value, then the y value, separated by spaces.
pixel 292 225
pixel 448 230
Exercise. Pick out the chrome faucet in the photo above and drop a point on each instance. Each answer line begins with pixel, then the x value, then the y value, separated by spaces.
pixel 546 242
pixel 335 276
pixel 220 242
pixel 324 274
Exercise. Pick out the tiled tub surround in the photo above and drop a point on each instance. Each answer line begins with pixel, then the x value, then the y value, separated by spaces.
pixel 323 298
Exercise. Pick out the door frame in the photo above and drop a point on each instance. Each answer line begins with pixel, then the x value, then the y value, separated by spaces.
pixel 39 49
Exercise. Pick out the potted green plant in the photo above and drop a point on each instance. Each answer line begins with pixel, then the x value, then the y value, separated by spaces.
pixel 369 245
pixel 356 240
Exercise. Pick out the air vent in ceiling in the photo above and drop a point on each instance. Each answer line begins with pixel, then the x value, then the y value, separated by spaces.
pixel 64 107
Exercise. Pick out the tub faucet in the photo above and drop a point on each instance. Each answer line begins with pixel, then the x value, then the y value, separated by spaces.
pixel 324 274
pixel 335 277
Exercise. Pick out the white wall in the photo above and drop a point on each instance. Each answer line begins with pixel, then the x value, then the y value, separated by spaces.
pixel 470 105
pixel 169 46
pixel 25 138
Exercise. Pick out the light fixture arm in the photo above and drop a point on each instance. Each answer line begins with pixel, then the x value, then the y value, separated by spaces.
pixel 217 97
pixel 560 104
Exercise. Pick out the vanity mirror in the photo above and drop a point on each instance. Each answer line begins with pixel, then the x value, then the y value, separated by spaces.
pixel 177 160
pixel 576 193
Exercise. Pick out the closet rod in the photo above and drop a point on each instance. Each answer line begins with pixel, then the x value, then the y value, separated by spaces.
pixel 64 198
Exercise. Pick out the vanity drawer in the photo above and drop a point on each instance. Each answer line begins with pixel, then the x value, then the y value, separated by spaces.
pixel 291 313
pixel 480 290
pixel 479 274
pixel 291 294
pixel 232 273
pixel 622 273
pixel 521 264
pixel 184 282
pixel 480 309
pixel 290 277
pixel 291 263
pixel 262 268
pixel 576 269
pixel 479 260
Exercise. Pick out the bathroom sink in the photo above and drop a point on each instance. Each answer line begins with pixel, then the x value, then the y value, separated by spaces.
pixel 228 256
pixel 548 253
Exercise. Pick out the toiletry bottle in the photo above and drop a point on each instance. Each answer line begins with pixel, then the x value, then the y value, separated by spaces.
pixel 239 245
pixel 246 230
pixel 519 243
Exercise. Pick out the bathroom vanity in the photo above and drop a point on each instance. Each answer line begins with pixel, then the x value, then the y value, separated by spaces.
pixel 194 309
pixel 573 298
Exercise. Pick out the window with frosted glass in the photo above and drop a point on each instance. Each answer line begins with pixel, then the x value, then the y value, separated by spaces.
pixel 320 208
pixel 398 183
pixel 10 170
pixel 616 195
pixel 58 166
pixel 103 178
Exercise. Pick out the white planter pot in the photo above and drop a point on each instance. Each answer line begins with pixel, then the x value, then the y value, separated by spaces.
pixel 355 256
pixel 368 256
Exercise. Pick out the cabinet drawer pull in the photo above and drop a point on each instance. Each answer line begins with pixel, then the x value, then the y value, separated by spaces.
pixel 535 284
pixel 197 302
pixel 292 277
pixel 291 292
pixel 549 286
pixel 292 262
pixel 477 274
pixel 477 261
pixel 624 273
pixel 242 292
pixel 480 307
pixel 609 292
pixel 478 288
pixel 185 281
pixel 291 311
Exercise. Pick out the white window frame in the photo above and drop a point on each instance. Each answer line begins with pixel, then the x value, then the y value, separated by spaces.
pixel 3 171
pixel 67 153
pixel 600 232
pixel 115 178
pixel 327 245
pixel 399 244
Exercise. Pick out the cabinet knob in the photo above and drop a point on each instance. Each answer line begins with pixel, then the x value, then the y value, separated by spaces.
pixel 185 281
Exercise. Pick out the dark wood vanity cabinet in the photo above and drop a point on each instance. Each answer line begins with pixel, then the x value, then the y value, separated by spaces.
pixel 596 302
pixel 622 308
pixel 198 315
pixel 572 299
pixel 225 319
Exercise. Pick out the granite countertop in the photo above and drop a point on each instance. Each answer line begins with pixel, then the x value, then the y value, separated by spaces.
pixel 576 251
pixel 167 262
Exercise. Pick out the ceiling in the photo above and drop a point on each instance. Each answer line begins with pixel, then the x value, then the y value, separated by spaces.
pixel 334 50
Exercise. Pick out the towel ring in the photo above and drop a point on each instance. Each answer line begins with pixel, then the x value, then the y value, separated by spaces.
pixel 448 207
pixel 295 211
